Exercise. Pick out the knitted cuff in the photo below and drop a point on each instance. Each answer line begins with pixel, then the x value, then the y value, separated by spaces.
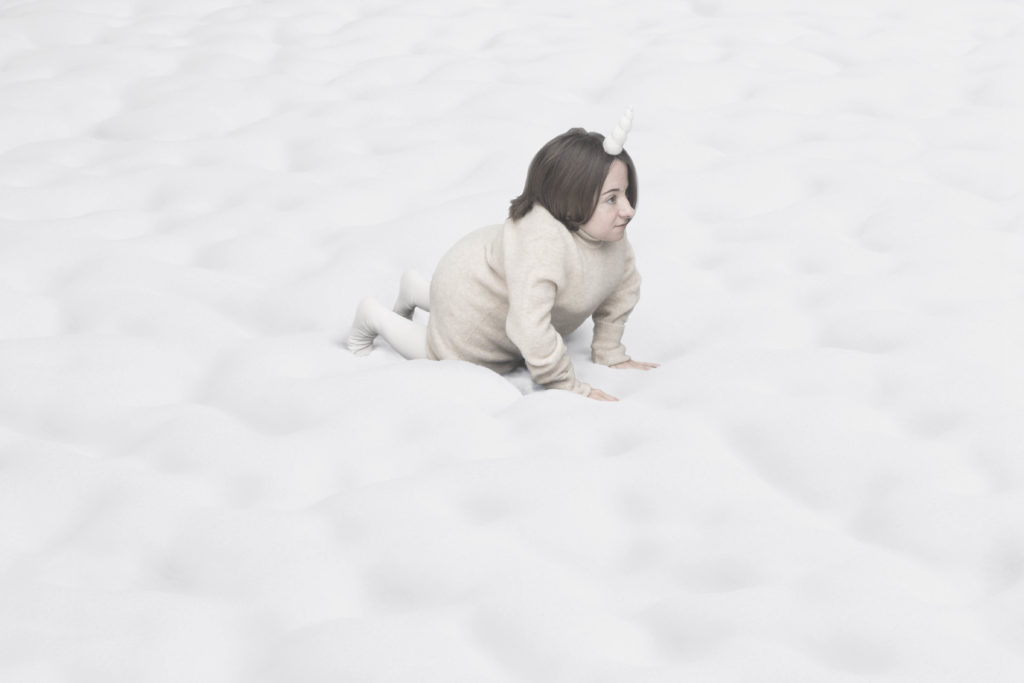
pixel 570 384
pixel 607 347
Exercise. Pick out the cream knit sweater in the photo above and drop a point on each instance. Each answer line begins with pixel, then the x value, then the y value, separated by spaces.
pixel 506 294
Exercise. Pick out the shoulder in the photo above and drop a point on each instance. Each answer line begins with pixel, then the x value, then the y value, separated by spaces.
pixel 538 221
pixel 536 228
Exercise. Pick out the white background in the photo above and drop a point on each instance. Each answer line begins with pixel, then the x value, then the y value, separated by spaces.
pixel 823 481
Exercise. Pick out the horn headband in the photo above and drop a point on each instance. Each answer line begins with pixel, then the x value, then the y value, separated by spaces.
pixel 614 142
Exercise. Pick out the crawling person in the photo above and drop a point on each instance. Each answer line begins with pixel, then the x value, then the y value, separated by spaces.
pixel 505 295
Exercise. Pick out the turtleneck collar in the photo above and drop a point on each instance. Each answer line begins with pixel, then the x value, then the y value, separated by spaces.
pixel 587 239
pixel 539 213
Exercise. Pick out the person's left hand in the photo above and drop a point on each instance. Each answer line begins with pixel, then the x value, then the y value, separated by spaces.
pixel 635 365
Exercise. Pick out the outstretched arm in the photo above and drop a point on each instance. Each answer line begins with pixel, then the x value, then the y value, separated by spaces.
pixel 529 327
pixel 610 322
pixel 536 250
pixel 611 316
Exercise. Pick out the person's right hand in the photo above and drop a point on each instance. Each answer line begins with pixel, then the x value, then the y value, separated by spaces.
pixel 599 395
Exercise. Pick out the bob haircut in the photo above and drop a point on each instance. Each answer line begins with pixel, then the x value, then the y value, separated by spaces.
pixel 566 177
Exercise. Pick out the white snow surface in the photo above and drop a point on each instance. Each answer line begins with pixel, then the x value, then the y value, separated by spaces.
pixel 824 481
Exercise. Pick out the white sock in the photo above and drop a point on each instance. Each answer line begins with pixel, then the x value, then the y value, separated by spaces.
pixel 364 327
pixel 406 337
pixel 413 293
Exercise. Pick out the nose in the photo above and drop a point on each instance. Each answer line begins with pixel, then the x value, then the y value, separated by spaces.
pixel 626 209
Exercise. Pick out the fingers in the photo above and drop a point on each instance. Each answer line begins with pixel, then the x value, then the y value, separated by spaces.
pixel 635 365
pixel 599 395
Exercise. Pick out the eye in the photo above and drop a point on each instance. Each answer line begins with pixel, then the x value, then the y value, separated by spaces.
pixel 612 199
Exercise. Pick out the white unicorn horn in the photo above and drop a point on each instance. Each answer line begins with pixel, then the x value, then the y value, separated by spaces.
pixel 614 142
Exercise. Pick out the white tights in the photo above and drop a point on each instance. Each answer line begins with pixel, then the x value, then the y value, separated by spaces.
pixel 395 326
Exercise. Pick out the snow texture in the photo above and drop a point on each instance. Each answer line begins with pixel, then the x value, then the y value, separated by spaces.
pixel 823 482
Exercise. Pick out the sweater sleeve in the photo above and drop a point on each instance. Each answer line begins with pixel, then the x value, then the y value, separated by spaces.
pixel 535 268
pixel 610 317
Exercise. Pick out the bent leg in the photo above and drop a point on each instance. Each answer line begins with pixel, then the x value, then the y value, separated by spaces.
pixel 413 293
pixel 372 319
pixel 405 336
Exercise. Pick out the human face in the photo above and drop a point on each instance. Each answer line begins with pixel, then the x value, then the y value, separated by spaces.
pixel 613 212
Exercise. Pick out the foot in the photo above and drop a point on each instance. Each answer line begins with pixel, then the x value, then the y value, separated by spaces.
pixel 364 328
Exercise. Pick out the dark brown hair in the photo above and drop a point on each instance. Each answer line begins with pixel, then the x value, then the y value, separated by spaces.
pixel 566 177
